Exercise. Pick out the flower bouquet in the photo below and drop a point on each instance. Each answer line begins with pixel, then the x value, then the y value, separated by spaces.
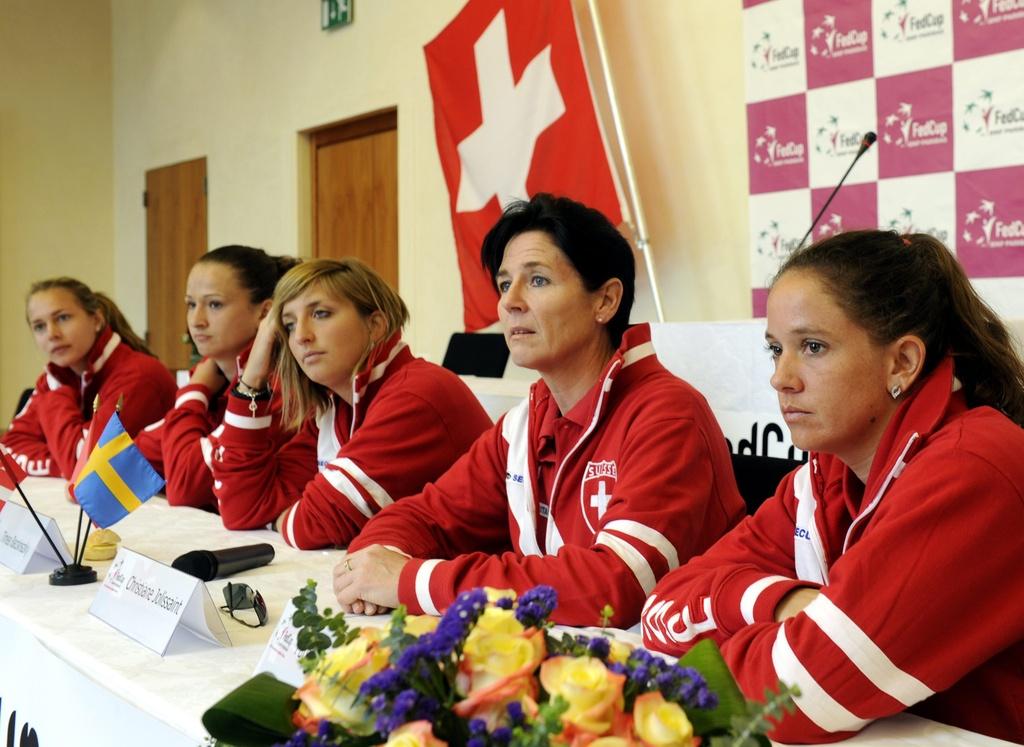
pixel 490 673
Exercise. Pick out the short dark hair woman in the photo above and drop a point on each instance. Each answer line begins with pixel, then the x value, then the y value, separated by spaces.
pixel 885 574
pixel 609 475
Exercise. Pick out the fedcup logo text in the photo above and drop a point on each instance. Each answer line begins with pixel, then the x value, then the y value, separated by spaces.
pixel 828 39
pixel 904 131
pixel 984 116
pixel 900 24
pixel 767 56
pixel 990 12
pixel 772 243
pixel 831 140
pixel 770 150
pixel 984 227
pixel 904 224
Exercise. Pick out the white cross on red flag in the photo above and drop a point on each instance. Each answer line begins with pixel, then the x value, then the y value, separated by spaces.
pixel 513 116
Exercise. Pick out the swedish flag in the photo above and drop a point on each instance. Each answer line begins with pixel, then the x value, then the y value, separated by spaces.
pixel 117 479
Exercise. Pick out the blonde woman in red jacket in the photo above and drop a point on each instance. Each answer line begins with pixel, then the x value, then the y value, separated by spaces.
pixel 91 351
pixel 612 473
pixel 228 291
pixel 371 423
pixel 885 574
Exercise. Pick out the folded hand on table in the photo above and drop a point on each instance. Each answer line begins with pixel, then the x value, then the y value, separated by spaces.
pixel 366 581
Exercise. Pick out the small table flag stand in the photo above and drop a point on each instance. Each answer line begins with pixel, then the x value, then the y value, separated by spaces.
pixel 17 484
pixel 77 574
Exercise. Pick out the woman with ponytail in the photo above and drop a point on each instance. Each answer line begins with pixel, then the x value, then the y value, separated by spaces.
pixel 228 291
pixel 92 351
pixel 885 574
pixel 371 422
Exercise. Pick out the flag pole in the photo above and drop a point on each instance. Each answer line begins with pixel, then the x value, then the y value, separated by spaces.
pixel 76 573
pixel 32 511
pixel 643 243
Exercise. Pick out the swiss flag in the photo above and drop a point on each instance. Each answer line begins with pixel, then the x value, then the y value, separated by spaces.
pixel 513 116
pixel 10 475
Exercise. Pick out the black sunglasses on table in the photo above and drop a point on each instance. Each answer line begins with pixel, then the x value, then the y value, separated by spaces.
pixel 244 597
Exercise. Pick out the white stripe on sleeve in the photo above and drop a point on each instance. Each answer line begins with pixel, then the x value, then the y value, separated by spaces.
pixel 379 494
pixel 815 703
pixel 340 482
pixel 288 525
pixel 864 654
pixel 195 396
pixel 423 598
pixel 648 536
pixel 631 557
pixel 207 448
pixel 751 594
pixel 247 422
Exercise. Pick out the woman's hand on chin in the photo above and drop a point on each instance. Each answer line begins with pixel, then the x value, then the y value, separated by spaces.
pixel 366 581
pixel 208 374
pixel 261 356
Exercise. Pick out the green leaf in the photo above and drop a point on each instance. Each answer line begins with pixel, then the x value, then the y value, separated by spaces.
pixel 707 659
pixel 257 713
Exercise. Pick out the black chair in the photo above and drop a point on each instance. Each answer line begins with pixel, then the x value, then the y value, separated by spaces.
pixel 22 401
pixel 758 476
pixel 477 354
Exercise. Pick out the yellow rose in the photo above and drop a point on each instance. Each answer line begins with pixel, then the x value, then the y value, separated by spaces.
pixel 414 734
pixel 593 693
pixel 618 651
pixel 496 620
pixel 493 595
pixel 490 657
pixel 330 691
pixel 497 668
pixel 417 625
pixel 661 723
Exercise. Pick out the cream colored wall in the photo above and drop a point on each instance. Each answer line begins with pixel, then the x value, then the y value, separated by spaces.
pixel 56 164
pixel 237 80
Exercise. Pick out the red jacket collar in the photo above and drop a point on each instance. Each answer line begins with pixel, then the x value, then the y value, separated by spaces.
pixel 106 342
pixel 386 358
pixel 635 348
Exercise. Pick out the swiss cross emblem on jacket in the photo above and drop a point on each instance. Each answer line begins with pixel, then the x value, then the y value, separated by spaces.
pixel 596 490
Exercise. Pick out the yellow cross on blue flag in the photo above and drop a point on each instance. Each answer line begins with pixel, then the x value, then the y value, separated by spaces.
pixel 116 479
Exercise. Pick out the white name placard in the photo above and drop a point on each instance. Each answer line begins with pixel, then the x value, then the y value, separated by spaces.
pixel 23 548
pixel 281 656
pixel 164 609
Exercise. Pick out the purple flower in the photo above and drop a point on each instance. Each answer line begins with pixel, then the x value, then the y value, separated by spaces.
pixel 477 726
pixel 501 735
pixel 504 603
pixel 476 742
pixel 618 668
pixel 515 713
pixel 599 647
pixel 536 605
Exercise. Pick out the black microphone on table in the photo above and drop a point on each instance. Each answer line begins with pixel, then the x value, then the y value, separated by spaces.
pixel 210 564
pixel 866 142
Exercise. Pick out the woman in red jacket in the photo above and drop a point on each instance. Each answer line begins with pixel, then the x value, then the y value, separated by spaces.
pixel 91 351
pixel 229 290
pixel 609 475
pixel 373 422
pixel 885 574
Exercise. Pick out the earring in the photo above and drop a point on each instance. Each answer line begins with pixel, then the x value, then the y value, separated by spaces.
pixel 600 320
pixel 896 391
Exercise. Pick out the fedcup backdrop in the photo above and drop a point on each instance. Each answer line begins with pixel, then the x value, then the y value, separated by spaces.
pixel 940 81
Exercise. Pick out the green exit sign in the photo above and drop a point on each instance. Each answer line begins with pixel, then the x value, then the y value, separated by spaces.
pixel 335 13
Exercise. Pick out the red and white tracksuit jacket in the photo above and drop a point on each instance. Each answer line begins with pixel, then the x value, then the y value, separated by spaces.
pixel 598 503
pixel 47 435
pixel 920 571
pixel 180 448
pixel 409 422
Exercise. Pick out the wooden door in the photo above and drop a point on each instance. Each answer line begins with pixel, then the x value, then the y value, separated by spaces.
pixel 175 201
pixel 355 192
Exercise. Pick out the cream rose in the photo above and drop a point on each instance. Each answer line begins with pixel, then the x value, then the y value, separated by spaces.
pixel 330 691
pixel 661 723
pixel 414 734
pixel 593 693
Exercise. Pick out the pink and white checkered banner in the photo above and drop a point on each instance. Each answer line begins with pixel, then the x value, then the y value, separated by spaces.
pixel 940 81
